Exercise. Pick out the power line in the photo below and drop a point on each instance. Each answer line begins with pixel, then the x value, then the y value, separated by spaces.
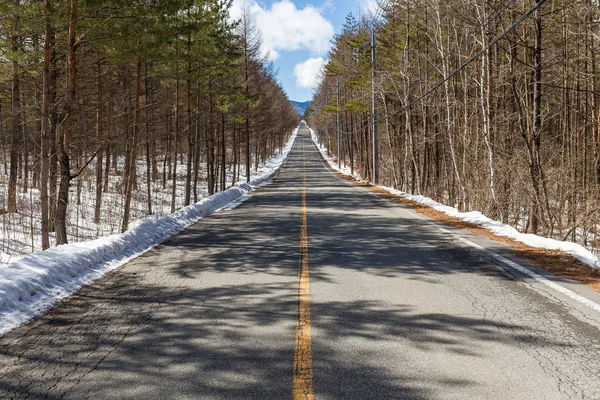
pixel 493 16
pixel 376 22
pixel 476 56
pixel 480 27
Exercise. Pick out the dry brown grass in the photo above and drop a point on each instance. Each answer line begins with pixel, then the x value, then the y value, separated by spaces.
pixel 557 262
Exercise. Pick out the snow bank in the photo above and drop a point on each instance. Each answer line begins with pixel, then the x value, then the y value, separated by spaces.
pixel 501 229
pixel 331 160
pixel 33 284
pixel 477 218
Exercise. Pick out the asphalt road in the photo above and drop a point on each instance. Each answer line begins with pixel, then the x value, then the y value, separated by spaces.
pixel 393 308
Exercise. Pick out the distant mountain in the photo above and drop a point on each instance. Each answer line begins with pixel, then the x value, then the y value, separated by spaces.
pixel 301 106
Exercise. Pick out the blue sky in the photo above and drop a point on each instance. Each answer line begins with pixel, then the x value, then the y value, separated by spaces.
pixel 297 35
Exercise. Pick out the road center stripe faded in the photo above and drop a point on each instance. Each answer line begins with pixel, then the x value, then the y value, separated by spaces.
pixel 303 357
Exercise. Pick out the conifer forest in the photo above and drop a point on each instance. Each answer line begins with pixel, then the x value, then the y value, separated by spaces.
pixel 113 110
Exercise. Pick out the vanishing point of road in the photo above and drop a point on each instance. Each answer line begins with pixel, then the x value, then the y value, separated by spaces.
pixel 312 288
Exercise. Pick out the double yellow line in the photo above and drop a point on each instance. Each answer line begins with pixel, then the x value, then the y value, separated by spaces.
pixel 303 356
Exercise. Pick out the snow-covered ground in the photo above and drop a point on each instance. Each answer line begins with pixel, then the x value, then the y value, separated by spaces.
pixel 332 160
pixel 475 217
pixel 20 233
pixel 31 285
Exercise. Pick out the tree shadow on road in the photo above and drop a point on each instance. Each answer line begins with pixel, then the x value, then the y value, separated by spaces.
pixel 124 338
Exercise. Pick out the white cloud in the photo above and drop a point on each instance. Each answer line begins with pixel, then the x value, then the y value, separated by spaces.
pixel 287 28
pixel 308 74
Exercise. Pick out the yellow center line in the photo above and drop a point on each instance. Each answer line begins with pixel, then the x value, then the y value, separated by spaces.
pixel 303 357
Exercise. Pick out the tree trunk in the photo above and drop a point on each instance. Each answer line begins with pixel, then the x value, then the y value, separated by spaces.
pixel 449 129
pixel 15 142
pixel 485 114
pixel 44 170
pixel 247 115
pixel 25 154
pixel 210 144
pixel 52 139
pixel 106 168
pixel 149 172
pixel 223 154
pixel 190 137
pixel 64 134
pixel 197 147
pixel 535 143
pixel 133 153
pixel 98 203
pixel 175 138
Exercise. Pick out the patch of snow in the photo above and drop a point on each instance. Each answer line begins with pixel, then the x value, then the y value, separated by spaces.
pixel 346 170
pixel 475 217
pixel 31 285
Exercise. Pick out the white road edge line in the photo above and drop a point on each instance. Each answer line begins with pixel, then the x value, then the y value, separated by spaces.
pixel 561 289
